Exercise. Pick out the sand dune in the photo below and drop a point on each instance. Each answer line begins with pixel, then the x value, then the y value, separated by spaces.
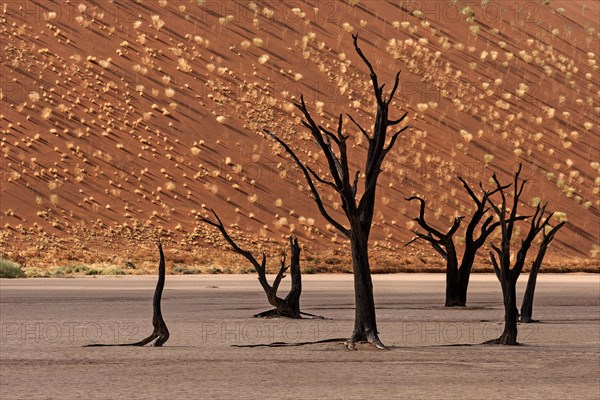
pixel 122 120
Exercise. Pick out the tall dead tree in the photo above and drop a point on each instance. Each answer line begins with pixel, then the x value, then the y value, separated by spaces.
pixel 501 260
pixel 284 307
pixel 358 212
pixel 160 334
pixel 527 306
pixel 457 275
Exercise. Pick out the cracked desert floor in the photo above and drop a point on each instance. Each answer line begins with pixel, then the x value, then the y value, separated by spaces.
pixel 434 351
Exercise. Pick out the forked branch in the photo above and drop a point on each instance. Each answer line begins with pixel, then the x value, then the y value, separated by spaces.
pixel 307 176
pixel 286 307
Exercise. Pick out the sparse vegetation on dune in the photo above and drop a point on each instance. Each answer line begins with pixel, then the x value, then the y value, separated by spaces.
pixel 110 131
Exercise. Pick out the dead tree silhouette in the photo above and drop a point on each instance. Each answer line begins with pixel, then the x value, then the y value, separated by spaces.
pixel 501 256
pixel 359 212
pixel 457 275
pixel 527 306
pixel 284 307
pixel 160 334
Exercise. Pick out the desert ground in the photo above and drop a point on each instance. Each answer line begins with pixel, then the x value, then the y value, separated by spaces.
pixel 434 352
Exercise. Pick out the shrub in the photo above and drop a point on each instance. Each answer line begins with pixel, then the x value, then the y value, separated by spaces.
pixel 309 270
pixel 215 270
pixel 73 270
pixel 185 271
pixel 9 269
pixel 77 269
pixel 58 271
pixel 113 271
pixel 35 272
pixel 92 271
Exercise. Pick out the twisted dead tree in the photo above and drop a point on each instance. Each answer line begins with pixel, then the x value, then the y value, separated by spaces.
pixel 457 275
pixel 527 306
pixel 501 260
pixel 160 334
pixel 284 307
pixel 358 212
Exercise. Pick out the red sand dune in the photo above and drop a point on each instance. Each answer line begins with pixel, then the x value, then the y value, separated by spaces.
pixel 121 119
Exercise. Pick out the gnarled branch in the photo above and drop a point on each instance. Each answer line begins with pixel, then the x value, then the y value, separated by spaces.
pixel 286 307
pixel 311 185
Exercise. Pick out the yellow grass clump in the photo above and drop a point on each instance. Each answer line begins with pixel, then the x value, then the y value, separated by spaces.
pixel 157 23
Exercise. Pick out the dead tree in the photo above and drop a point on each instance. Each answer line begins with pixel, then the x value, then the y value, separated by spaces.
pixel 443 243
pixel 457 276
pixel 358 212
pixel 501 260
pixel 527 306
pixel 290 305
pixel 160 334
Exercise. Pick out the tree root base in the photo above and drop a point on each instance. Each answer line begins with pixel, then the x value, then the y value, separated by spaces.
pixel 455 305
pixel 528 321
pixel 277 314
pixel 499 342
pixel 158 338
pixel 286 344
pixel 375 342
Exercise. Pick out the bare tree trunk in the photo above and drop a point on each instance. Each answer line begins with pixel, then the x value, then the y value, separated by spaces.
pixel 527 306
pixel 293 297
pixel 464 274
pixel 452 281
pixel 511 314
pixel 160 333
pixel 365 324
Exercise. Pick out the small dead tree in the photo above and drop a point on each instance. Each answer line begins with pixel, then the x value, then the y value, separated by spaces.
pixel 358 212
pixel 527 306
pixel 501 260
pixel 284 307
pixel 443 243
pixel 160 334
pixel 457 275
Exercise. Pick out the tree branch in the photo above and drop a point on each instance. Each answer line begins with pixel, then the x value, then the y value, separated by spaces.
pixel 393 139
pixel 421 218
pixel 260 268
pixel 280 274
pixel 471 193
pixel 496 267
pixel 363 131
pixel 315 192
pixel 376 88
pixel 322 180
pixel 324 144
pixel 436 244
pixel 393 92
pixel 393 122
